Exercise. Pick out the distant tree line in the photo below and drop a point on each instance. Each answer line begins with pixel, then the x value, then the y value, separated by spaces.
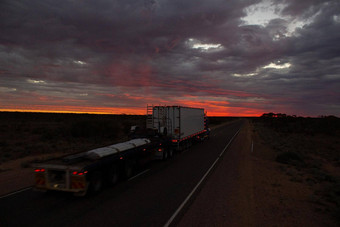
pixel 276 115
pixel 281 115
pixel 292 124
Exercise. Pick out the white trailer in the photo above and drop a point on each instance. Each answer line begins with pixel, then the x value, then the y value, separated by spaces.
pixel 181 124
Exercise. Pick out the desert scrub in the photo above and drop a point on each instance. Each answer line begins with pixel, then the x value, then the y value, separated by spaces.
pixel 332 195
pixel 94 128
pixel 3 144
pixel 25 164
pixel 289 157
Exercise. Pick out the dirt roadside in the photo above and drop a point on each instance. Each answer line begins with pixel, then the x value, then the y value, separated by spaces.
pixel 16 175
pixel 247 188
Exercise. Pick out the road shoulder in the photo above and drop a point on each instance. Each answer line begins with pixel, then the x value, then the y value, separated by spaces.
pixel 227 196
pixel 17 174
pixel 248 188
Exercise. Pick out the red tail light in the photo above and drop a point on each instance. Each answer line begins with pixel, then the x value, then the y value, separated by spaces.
pixel 79 173
pixel 39 170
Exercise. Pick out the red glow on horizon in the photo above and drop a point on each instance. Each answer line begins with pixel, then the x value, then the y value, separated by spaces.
pixel 79 110
pixel 139 103
pixel 212 110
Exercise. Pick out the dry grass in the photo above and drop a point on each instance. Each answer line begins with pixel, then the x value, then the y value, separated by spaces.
pixel 30 134
pixel 310 155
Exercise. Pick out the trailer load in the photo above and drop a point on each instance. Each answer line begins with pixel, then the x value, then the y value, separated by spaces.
pixel 116 148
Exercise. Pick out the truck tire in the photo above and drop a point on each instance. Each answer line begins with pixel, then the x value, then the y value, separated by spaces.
pixel 96 182
pixel 186 145
pixel 189 143
pixel 80 194
pixel 128 169
pixel 113 175
pixel 165 155
pixel 170 152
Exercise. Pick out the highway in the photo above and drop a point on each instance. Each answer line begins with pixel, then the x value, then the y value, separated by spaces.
pixel 158 195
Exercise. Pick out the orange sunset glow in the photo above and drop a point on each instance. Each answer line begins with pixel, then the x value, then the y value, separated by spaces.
pixel 212 110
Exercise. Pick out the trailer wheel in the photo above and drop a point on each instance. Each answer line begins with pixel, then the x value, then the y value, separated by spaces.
pixel 170 152
pixel 189 144
pixel 128 169
pixel 80 194
pixel 165 155
pixel 186 145
pixel 96 182
pixel 113 175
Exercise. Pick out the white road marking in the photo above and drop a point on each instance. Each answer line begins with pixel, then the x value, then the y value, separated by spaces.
pixel 16 192
pixel 198 184
pixel 228 144
pixel 138 175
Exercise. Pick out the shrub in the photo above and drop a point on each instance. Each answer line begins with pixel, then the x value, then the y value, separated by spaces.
pixel 25 164
pixel 93 128
pixel 289 157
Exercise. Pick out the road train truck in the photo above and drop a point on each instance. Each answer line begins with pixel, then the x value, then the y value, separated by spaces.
pixel 168 129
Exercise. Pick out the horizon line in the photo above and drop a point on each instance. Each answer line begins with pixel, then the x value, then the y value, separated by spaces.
pixel 93 113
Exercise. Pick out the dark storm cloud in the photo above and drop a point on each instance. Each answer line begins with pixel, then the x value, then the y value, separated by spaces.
pixel 314 54
pixel 303 8
pixel 113 53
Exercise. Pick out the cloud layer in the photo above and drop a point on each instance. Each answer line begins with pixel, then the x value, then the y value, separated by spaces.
pixel 119 56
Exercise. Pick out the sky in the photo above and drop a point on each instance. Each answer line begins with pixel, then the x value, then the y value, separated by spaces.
pixel 232 58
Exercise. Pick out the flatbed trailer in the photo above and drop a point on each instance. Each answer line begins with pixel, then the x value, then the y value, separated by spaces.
pixel 88 171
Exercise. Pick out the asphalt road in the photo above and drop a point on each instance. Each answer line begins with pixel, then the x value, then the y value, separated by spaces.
pixel 150 199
